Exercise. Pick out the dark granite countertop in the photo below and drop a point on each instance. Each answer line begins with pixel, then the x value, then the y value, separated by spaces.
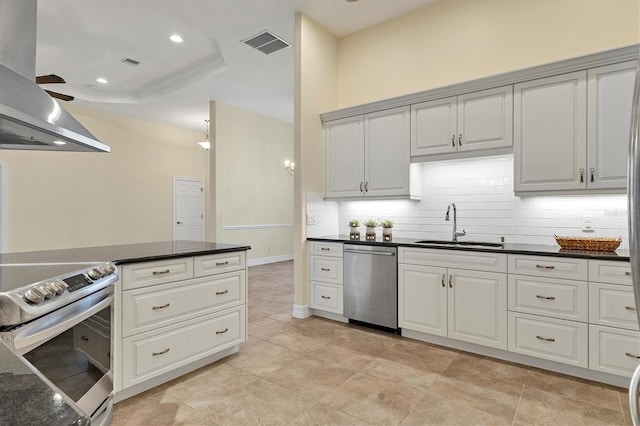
pixel 124 253
pixel 531 249
pixel 27 398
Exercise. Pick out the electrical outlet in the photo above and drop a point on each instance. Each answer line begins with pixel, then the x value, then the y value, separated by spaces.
pixel 311 220
pixel 588 224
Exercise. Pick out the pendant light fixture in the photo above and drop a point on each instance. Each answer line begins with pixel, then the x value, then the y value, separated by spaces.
pixel 206 144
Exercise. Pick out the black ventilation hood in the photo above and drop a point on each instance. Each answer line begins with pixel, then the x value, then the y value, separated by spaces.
pixel 29 118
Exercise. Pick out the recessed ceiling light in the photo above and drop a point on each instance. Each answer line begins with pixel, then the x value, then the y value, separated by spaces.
pixel 176 38
pixel 59 142
pixel 101 80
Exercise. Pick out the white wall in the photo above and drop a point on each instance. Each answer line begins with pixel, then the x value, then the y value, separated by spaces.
pixel 482 190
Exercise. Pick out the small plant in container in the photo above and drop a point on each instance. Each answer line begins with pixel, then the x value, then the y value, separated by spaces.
pixel 387 225
pixel 354 234
pixel 370 233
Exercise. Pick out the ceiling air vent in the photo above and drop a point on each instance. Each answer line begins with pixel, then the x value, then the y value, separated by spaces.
pixel 266 42
pixel 130 61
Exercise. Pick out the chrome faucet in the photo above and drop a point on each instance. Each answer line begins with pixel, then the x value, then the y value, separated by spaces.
pixel 455 234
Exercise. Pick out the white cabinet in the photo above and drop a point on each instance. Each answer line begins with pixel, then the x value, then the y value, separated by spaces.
pixel 325 277
pixel 368 156
pixel 439 294
pixel 470 122
pixel 571 131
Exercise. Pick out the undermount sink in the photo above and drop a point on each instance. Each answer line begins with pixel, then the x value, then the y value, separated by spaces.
pixel 460 243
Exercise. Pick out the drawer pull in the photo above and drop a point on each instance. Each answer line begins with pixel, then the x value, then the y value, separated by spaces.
pixel 546 339
pixel 160 353
pixel 325 249
pixel 326 269
pixel 630 308
pixel 546 297
pixel 325 297
pixel 226 262
pixel 450 278
pixel 223 331
pixel 545 267
pixel 85 338
pixel 628 273
pixel 220 293
pixel 155 308
pixel 166 271
pixel 630 355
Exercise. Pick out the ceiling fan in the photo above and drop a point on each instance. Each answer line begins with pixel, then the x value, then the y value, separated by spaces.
pixel 54 79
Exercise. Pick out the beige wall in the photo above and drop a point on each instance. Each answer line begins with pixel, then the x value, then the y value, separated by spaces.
pixel 61 200
pixel 315 90
pixel 452 41
pixel 252 189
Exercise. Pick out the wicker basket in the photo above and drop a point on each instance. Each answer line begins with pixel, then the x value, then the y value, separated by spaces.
pixel 588 243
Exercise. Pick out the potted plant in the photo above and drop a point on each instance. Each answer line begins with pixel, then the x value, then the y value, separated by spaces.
pixel 387 225
pixel 354 234
pixel 370 233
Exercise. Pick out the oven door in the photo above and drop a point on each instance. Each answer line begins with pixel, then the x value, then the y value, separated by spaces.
pixel 72 348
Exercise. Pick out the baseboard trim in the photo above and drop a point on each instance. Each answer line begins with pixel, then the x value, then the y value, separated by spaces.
pixel 272 259
pixel 301 311
pixel 330 315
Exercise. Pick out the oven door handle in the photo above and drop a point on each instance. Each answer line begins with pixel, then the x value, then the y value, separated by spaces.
pixel 39 331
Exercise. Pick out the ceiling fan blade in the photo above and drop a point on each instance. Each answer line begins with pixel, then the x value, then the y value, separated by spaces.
pixel 60 96
pixel 49 79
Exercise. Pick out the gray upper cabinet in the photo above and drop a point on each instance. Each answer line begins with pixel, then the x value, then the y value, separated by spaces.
pixel 344 157
pixel 475 121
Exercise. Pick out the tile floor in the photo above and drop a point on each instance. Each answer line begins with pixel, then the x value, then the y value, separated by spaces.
pixel 320 372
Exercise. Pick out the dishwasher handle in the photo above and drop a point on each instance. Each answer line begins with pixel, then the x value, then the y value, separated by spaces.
pixel 377 253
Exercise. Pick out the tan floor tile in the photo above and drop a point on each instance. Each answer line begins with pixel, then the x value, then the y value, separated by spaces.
pixel 264 308
pixel 254 317
pixel 623 395
pixel 249 342
pixel 342 356
pixel 489 373
pixel 373 400
pixel 391 370
pixel 264 328
pixel 433 410
pixel 262 358
pixel 320 328
pixel 292 339
pixel 578 389
pixel 322 415
pixel 310 377
pixel 364 342
pixel 286 316
pixel 157 409
pixel 538 407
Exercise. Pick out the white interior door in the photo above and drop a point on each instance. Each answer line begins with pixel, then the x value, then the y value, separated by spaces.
pixel 188 209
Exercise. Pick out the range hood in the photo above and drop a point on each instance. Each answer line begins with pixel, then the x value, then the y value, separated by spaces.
pixel 29 118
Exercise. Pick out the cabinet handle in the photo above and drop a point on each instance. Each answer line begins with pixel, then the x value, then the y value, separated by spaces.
pixel 545 267
pixel 325 248
pixel 366 186
pixel 460 139
pixel 166 271
pixel 361 183
pixel 453 141
pixel 219 293
pixel 546 339
pixel 450 278
pixel 326 269
pixel 155 308
pixel 226 262
pixel 85 338
pixel 325 297
pixel 442 280
pixel 630 308
pixel 630 355
pixel 581 175
pixel 592 170
pixel 545 297
pixel 160 353
pixel 628 273
pixel 223 331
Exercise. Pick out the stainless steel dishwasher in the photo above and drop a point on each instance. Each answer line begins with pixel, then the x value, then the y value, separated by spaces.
pixel 371 285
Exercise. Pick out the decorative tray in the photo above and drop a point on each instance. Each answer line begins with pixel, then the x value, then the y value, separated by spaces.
pixel 588 243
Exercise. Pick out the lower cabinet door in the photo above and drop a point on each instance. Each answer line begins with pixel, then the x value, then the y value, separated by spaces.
pixel 151 354
pixel 326 297
pixel 422 299
pixel 613 350
pixel 549 338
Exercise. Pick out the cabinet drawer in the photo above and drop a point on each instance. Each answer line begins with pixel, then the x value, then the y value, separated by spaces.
pixel 567 299
pixel 154 353
pixel 553 339
pixel 547 266
pixel 327 269
pixel 611 272
pixel 613 350
pixel 320 248
pixel 144 274
pixel 218 263
pixel 94 342
pixel 326 297
pixel 152 307
pixel 461 259
pixel 612 305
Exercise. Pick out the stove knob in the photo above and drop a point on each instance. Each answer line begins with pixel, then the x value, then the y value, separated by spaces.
pixel 109 267
pixel 60 286
pixel 34 295
pixel 95 274
pixel 50 289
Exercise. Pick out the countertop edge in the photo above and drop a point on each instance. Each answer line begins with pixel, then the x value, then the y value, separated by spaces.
pixel 197 252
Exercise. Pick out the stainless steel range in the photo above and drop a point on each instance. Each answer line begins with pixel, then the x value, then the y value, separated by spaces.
pixel 58 316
